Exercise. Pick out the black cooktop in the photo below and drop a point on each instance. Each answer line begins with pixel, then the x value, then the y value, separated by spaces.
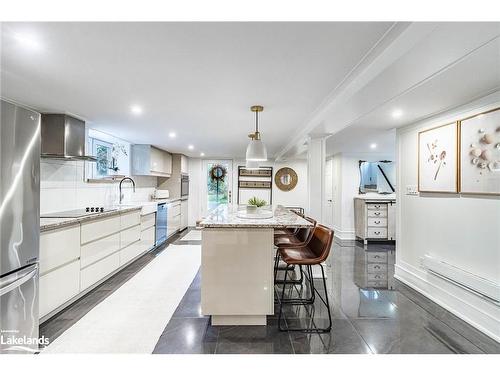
pixel 88 211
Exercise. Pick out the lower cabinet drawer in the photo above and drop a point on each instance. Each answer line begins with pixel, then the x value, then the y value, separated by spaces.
pixel 376 267
pixel 129 236
pixel 376 206
pixel 99 228
pixel 377 284
pixel 129 219
pixel 94 251
pixel 377 233
pixel 58 247
pixel 376 257
pixel 130 252
pixel 58 287
pixel 374 213
pixel 376 276
pixel 97 271
pixel 377 222
pixel 148 221
pixel 148 238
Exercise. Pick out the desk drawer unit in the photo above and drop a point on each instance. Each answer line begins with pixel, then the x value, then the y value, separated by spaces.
pixel 377 233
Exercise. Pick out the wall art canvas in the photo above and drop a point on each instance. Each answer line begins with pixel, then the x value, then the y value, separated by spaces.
pixel 480 154
pixel 437 159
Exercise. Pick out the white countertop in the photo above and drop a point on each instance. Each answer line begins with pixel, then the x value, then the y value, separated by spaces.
pixel 225 216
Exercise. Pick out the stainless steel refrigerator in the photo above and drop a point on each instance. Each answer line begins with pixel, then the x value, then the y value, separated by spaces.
pixel 19 228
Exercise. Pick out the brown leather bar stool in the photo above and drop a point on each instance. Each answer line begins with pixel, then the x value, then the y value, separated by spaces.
pixel 286 231
pixel 313 254
pixel 301 239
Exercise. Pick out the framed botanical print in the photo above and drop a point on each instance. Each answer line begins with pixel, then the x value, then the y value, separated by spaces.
pixel 480 153
pixel 437 159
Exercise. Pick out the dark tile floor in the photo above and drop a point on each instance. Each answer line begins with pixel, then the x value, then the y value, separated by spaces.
pixel 391 318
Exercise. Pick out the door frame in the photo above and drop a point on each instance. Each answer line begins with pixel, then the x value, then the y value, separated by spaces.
pixel 204 171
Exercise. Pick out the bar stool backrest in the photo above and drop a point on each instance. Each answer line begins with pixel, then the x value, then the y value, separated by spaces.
pixel 305 234
pixel 321 242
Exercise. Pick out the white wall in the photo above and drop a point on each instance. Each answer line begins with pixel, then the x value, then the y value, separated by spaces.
pixel 296 197
pixel 62 188
pixel 462 230
pixel 345 186
pixel 195 181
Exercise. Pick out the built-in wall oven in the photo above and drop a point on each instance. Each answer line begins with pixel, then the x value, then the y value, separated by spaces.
pixel 161 224
pixel 184 185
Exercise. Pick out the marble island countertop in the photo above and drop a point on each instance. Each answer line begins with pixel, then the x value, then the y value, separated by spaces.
pixel 47 224
pixel 225 216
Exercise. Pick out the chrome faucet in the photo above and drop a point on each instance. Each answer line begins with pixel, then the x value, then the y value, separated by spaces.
pixel 120 186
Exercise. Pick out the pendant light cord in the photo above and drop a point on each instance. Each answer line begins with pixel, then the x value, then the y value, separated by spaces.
pixel 257 121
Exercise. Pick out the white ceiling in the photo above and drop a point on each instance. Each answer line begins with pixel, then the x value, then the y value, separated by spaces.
pixel 197 79
pixel 429 68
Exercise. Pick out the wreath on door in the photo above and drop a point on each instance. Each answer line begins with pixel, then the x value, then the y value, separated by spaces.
pixel 218 173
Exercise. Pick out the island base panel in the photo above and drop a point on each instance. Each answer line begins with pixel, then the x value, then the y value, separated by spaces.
pixel 238 320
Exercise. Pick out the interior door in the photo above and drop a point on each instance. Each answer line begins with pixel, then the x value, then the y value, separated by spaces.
pixel 217 184
pixel 328 204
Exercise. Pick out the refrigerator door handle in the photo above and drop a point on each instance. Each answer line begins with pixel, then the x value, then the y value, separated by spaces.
pixel 9 285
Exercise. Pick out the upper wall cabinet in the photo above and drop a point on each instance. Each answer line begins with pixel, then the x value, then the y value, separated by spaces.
pixel 184 164
pixel 150 161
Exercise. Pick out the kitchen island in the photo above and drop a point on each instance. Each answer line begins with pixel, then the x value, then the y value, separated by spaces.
pixel 237 264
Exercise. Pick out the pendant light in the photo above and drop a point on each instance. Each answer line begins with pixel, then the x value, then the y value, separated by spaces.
pixel 256 150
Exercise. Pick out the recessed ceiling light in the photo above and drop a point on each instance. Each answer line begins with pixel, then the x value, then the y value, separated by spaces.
pixel 136 110
pixel 397 113
pixel 202 154
pixel 172 135
pixel 191 147
pixel 28 41
pixel 373 146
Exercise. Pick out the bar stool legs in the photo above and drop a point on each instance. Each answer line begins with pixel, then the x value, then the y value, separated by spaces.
pixel 306 302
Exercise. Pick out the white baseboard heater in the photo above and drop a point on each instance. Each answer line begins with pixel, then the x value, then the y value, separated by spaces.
pixel 476 284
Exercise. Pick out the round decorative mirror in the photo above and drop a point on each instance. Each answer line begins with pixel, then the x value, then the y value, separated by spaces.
pixel 286 179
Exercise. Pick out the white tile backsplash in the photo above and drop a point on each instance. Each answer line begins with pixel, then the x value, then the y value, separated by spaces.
pixel 62 187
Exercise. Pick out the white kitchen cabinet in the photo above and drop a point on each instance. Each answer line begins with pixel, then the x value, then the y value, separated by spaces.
pixel 99 228
pixel 130 219
pixel 173 218
pixel 58 286
pixel 59 267
pixel 184 214
pixel 184 164
pixel 167 162
pixel 150 161
pixel 148 238
pixel 129 236
pixel 99 270
pixel 59 247
pixel 96 250
pixel 148 221
pixel 130 252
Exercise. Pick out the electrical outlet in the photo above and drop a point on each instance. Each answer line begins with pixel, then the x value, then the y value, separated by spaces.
pixel 411 190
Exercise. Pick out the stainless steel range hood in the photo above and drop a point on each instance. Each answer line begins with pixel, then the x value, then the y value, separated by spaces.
pixel 63 137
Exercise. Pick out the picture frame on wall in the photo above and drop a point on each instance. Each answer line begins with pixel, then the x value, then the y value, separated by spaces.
pixel 438 159
pixel 480 153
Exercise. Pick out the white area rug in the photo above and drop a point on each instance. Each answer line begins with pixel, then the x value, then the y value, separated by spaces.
pixel 194 235
pixel 132 319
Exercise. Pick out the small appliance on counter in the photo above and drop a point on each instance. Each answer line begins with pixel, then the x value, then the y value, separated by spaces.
pixel 161 194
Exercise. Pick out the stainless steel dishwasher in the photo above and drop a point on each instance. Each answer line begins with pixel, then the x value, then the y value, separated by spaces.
pixel 161 224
